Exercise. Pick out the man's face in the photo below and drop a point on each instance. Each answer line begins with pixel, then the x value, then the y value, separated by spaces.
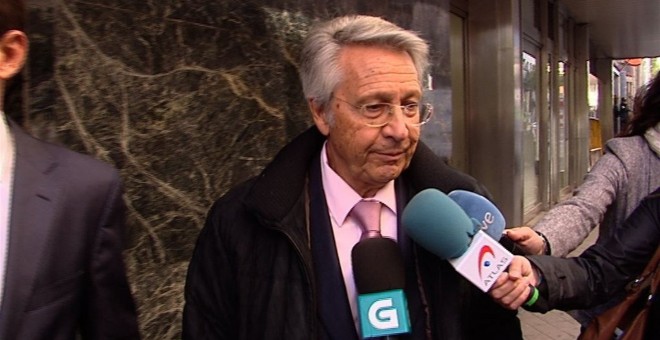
pixel 369 157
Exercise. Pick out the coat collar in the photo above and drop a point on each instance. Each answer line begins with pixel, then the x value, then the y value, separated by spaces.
pixel 280 185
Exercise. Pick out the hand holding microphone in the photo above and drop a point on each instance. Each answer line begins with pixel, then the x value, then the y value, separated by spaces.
pixel 516 287
pixel 440 224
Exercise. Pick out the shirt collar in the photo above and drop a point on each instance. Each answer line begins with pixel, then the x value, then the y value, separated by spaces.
pixel 4 131
pixel 341 198
pixel 3 125
pixel 6 145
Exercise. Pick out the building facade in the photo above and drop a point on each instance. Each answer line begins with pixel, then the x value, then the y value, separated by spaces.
pixel 188 98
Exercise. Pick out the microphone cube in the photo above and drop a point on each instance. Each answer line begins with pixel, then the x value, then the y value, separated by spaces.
pixel 383 313
pixel 483 262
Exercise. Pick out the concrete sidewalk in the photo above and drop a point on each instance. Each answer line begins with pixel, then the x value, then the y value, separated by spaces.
pixel 549 326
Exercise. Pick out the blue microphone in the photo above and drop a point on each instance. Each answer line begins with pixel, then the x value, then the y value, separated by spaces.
pixel 426 218
pixel 440 224
pixel 486 216
pixel 483 212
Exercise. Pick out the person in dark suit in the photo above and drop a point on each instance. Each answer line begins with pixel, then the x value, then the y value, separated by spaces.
pixel 62 275
pixel 273 260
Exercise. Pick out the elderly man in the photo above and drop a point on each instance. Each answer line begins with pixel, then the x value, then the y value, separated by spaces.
pixel 274 258
pixel 62 275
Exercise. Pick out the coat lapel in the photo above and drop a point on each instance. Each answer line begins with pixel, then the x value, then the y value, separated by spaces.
pixel 32 209
pixel 334 310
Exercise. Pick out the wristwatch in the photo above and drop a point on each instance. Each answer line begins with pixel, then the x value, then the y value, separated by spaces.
pixel 546 244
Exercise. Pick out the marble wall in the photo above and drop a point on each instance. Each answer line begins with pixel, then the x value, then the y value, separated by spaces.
pixel 187 98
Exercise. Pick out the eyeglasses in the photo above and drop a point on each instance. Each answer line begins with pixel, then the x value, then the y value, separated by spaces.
pixel 380 114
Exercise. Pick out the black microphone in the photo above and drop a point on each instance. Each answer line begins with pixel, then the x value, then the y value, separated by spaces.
pixel 379 275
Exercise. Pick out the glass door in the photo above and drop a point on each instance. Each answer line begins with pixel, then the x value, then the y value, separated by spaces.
pixel 562 131
pixel 530 133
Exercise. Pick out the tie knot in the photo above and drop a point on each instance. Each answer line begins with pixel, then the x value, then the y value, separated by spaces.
pixel 367 214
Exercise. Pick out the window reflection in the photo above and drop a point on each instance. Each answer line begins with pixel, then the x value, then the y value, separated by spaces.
pixel 563 125
pixel 530 134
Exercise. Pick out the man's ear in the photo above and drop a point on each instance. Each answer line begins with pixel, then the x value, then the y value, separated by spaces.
pixel 13 53
pixel 320 116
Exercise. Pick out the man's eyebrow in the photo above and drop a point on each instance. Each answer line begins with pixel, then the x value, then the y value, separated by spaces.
pixel 388 97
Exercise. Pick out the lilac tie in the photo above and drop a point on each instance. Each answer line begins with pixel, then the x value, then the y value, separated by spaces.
pixel 367 214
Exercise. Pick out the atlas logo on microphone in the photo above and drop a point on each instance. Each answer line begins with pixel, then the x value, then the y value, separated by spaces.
pixel 482 254
pixel 383 313
pixel 484 261
pixel 453 227
pixel 491 266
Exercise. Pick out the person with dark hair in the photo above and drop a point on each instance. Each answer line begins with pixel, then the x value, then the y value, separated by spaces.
pixel 600 273
pixel 273 260
pixel 62 275
pixel 627 172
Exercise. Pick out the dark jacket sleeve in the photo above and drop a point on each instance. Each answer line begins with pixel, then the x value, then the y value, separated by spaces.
pixel 605 268
pixel 110 310
pixel 209 293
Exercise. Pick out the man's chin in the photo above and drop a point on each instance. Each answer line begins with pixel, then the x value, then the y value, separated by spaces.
pixel 389 173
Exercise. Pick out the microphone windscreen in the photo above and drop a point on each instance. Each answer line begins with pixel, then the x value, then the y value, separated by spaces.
pixel 377 265
pixel 483 211
pixel 438 224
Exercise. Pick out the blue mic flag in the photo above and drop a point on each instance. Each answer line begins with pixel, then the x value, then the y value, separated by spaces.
pixel 441 226
pixel 482 211
pixel 383 313
pixel 430 209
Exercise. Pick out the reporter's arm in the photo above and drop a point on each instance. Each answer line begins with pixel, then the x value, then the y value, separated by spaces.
pixel 604 268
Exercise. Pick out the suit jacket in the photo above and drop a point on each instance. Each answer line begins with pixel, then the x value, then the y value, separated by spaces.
pixel 65 273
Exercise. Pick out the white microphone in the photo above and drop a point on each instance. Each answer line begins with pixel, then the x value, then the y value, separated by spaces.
pixel 440 225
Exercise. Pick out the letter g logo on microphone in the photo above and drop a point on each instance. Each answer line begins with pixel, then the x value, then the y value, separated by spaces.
pixel 383 313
